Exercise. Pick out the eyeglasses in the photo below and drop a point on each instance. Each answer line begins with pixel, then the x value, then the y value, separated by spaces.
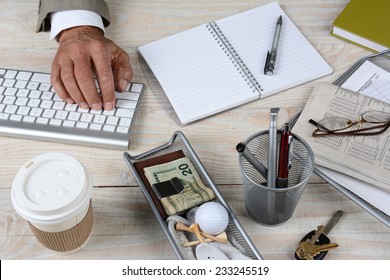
pixel 338 126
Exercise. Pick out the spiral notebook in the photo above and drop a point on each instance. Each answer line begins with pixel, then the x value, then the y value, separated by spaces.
pixel 220 65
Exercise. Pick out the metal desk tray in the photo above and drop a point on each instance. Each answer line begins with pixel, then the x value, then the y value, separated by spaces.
pixel 235 232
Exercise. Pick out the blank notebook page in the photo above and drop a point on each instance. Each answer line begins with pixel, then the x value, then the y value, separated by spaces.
pixel 200 77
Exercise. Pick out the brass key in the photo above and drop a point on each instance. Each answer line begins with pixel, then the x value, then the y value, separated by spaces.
pixel 317 242
pixel 317 234
pixel 305 248
pixel 308 251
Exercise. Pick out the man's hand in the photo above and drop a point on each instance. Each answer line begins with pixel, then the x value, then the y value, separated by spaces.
pixel 82 51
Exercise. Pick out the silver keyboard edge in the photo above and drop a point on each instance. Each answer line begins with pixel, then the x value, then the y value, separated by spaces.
pixel 59 134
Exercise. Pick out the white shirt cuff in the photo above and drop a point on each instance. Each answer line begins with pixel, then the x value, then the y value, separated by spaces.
pixel 67 19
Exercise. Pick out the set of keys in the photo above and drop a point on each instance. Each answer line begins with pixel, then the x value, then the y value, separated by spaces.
pixel 315 245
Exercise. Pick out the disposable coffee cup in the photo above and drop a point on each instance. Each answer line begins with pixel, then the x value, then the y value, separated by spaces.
pixel 53 193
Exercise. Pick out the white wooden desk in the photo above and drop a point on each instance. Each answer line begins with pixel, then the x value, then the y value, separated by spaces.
pixel 124 225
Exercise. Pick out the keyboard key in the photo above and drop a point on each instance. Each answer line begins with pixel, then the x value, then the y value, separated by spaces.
pixel 109 128
pixel 95 112
pixel 10 74
pixel 16 118
pixel 4 116
pixel 71 107
pixel 32 85
pixel 127 95
pixel 47 95
pixel 126 104
pixel 58 105
pixel 22 75
pixel 122 129
pixel 23 111
pixel 125 122
pixel 82 110
pixel 46 104
pixel 48 113
pixel 34 103
pixel 99 119
pixel 69 123
pixel 45 87
pixel 22 92
pixel 55 122
pixel 61 115
pixel 41 78
pixel 8 83
pixel 136 87
pixel 29 119
pixel 82 125
pixel 112 120
pixel 9 100
pixel 95 126
pixel 42 120
pixel 21 101
pixel 124 113
pixel 10 109
pixel 108 112
pixel 35 94
pixel 10 91
pixel 86 117
pixel 74 116
pixel 56 97
pixel 21 84
pixel 36 112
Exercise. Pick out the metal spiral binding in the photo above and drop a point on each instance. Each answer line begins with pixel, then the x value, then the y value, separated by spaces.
pixel 234 57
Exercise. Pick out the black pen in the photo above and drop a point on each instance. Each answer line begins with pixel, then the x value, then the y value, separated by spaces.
pixel 271 56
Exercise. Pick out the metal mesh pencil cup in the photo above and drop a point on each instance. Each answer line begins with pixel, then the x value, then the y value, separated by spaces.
pixel 273 206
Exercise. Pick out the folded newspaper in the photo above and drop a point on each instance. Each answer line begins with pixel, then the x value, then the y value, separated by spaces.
pixel 364 157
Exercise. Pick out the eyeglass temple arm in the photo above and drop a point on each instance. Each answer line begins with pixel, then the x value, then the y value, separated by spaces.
pixel 361 132
pixel 313 122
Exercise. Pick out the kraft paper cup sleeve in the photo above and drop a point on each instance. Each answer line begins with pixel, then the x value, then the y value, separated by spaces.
pixel 68 240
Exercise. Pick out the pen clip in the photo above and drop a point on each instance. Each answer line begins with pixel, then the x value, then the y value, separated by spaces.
pixel 269 66
pixel 290 150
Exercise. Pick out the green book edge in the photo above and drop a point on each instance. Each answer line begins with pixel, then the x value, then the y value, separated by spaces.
pixel 360 14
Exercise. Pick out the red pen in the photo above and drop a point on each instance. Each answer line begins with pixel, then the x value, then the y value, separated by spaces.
pixel 282 180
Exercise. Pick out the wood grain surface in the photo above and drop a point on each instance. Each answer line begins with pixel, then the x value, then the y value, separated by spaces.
pixel 124 225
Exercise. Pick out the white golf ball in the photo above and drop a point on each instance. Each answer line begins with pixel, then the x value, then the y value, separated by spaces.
pixel 212 218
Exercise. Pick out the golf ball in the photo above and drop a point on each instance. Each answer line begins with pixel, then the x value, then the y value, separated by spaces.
pixel 212 218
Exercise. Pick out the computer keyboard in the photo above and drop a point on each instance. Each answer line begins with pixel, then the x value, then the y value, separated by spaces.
pixel 30 108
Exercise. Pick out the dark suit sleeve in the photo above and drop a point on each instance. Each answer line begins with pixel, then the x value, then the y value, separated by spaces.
pixel 48 6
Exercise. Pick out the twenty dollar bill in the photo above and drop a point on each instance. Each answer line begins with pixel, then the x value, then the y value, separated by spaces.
pixel 194 193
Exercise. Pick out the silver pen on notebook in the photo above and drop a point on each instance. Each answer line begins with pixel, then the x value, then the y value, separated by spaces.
pixel 271 55
pixel 272 148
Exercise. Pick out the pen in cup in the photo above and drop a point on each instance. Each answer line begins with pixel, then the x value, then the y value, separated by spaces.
pixel 251 158
pixel 271 55
pixel 271 175
pixel 283 166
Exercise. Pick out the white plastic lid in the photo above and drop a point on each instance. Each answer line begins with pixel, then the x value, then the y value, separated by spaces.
pixel 51 188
